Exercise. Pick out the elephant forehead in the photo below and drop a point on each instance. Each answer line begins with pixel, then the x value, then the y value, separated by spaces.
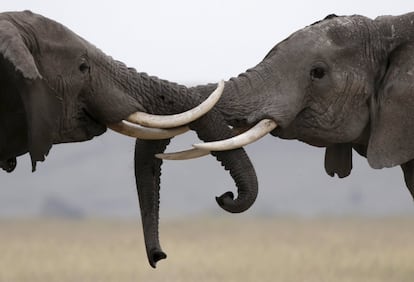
pixel 310 38
pixel 351 30
pixel 340 36
pixel 337 30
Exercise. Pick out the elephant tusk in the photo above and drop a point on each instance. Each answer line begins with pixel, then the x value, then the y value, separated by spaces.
pixel 169 121
pixel 183 155
pixel 250 136
pixel 141 132
pixel 203 149
pixel 191 153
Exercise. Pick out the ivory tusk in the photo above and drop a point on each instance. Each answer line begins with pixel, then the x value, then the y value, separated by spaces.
pixel 183 155
pixel 191 153
pixel 250 136
pixel 141 132
pixel 169 121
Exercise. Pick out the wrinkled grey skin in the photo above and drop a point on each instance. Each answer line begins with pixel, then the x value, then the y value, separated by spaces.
pixel 55 87
pixel 342 83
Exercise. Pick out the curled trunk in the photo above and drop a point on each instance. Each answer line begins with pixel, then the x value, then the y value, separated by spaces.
pixel 235 161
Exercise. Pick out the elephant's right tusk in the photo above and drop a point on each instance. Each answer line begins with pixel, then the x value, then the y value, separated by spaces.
pixel 141 132
pixel 169 121
pixel 184 155
pixel 255 133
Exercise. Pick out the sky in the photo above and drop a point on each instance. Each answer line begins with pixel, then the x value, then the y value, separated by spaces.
pixel 195 42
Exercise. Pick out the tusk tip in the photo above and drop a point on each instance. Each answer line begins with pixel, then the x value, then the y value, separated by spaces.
pixel 183 155
pixel 162 156
pixel 200 146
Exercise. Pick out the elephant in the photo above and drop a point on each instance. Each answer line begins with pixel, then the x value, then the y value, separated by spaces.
pixel 343 83
pixel 55 87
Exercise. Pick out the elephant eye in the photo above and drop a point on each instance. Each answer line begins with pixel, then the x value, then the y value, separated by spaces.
pixel 317 73
pixel 84 67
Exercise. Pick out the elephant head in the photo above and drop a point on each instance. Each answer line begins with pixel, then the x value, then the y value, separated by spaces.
pixel 345 82
pixel 55 87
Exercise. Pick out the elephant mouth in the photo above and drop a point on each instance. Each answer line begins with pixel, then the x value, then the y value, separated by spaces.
pixel 284 133
pixel 91 120
pixel 84 128
pixel 275 132
pixel 291 132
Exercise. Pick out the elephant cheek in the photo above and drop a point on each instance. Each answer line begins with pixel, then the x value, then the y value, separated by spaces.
pixel 355 126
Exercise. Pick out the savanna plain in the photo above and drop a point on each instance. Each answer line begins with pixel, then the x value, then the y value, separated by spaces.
pixel 210 249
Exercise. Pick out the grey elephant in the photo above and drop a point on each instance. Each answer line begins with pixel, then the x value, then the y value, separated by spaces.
pixel 55 87
pixel 345 82
pixel 341 83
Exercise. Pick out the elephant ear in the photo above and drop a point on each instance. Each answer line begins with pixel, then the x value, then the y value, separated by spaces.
pixel 41 106
pixel 13 49
pixel 391 140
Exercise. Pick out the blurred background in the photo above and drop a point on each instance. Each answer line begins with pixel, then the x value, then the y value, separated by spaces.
pixel 193 42
pixel 304 226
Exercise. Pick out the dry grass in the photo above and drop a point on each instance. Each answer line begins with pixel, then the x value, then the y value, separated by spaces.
pixel 210 249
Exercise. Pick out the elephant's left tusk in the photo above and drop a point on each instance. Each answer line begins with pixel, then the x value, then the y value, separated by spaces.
pixel 183 155
pixel 141 132
pixel 203 149
pixel 169 121
pixel 255 133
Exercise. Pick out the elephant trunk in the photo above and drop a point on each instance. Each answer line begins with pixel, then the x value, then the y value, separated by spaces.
pixel 245 99
pixel 147 176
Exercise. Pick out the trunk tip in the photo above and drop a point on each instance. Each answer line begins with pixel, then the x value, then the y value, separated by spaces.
pixel 225 198
pixel 154 256
pixel 228 203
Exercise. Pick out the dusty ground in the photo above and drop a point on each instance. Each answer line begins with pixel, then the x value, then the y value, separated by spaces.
pixel 210 249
